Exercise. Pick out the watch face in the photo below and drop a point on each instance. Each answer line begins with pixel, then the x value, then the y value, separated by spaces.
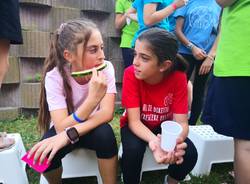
pixel 72 134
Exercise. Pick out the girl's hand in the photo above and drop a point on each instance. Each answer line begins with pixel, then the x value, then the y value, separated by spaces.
pixel 155 146
pixel 161 156
pixel 48 147
pixel 180 3
pixel 97 85
pixel 180 150
pixel 206 66
pixel 198 53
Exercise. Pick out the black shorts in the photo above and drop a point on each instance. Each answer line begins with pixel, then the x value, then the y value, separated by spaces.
pixel 227 106
pixel 101 139
pixel 10 21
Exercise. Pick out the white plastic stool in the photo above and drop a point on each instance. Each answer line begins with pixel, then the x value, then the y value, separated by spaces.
pixel 12 169
pixel 211 146
pixel 79 163
pixel 148 163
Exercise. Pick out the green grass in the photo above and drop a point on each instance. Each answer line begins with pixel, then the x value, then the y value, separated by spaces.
pixel 27 128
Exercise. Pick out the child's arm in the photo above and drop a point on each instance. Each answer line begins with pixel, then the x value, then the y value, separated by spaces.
pixel 132 14
pixel 152 16
pixel 120 20
pixel 182 119
pixel 198 53
pixel 97 90
pixel 103 115
pixel 208 62
pixel 137 127
pixel 225 3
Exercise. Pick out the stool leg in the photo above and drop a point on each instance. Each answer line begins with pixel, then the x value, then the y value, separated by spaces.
pixel 99 179
pixel 43 180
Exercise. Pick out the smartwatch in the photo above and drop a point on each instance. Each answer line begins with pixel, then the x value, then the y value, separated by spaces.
pixel 72 134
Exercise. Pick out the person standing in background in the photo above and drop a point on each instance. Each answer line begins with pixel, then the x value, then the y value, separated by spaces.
pixel 153 13
pixel 10 32
pixel 197 29
pixel 227 104
pixel 128 29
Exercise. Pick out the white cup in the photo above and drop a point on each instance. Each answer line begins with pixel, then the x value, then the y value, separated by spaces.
pixel 128 21
pixel 170 131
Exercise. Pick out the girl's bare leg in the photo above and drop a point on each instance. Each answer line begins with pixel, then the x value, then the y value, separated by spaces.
pixel 108 170
pixel 4 58
pixel 242 161
pixel 54 176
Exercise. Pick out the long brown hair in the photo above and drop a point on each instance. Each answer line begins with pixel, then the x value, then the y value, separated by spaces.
pixel 67 36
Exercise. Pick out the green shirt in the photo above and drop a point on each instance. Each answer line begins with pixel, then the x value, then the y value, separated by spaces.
pixel 233 58
pixel 128 31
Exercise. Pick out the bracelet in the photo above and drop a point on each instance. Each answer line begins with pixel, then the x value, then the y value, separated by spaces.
pixel 77 119
pixel 173 5
pixel 210 57
pixel 190 46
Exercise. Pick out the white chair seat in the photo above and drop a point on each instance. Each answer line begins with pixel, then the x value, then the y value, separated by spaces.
pixel 12 169
pixel 211 146
pixel 79 163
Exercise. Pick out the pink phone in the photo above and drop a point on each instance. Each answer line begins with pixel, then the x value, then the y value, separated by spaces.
pixel 39 168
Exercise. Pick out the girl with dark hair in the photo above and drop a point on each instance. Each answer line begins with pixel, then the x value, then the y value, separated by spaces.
pixel 74 111
pixel 155 90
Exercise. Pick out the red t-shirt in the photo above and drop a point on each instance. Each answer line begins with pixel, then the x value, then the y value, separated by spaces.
pixel 157 102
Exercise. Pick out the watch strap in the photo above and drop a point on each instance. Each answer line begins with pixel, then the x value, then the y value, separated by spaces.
pixel 190 46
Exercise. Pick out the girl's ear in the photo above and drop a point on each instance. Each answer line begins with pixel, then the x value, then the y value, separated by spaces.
pixel 68 55
pixel 165 65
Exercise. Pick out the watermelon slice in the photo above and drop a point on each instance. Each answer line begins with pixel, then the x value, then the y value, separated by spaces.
pixel 89 71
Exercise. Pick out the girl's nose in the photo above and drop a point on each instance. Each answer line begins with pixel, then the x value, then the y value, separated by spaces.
pixel 135 61
pixel 101 55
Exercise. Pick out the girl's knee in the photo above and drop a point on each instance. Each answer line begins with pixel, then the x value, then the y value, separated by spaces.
pixel 191 154
pixel 105 141
pixel 104 134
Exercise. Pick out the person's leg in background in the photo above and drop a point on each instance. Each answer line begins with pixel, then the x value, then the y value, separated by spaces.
pixel 241 161
pixel 4 58
pixel 128 56
pixel 199 86
pixel 227 110
pixel 191 67
pixel 132 157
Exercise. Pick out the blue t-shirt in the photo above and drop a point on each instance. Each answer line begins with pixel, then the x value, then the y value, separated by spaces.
pixel 139 5
pixel 200 24
pixel 171 19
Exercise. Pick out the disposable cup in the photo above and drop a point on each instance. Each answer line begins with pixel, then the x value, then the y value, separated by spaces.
pixel 128 21
pixel 170 131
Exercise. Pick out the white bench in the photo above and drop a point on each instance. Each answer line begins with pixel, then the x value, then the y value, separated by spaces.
pixel 211 146
pixel 148 163
pixel 79 163
pixel 12 169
